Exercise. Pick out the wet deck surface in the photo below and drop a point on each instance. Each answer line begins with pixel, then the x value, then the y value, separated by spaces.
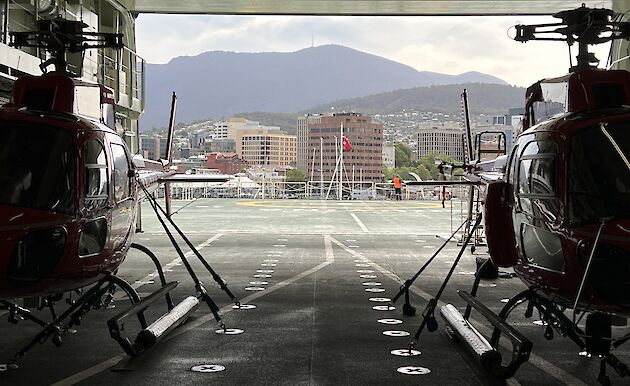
pixel 314 322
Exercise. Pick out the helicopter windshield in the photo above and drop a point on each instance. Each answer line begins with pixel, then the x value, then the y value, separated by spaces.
pixel 37 167
pixel 599 173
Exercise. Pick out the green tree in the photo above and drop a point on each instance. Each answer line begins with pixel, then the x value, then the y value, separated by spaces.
pixel 296 175
pixel 403 155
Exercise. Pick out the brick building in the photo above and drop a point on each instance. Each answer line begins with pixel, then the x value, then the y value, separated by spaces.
pixel 366 137
pixel 226 163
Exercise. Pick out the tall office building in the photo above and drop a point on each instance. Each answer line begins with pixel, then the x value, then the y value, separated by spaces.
pixel 366 137
pixel 441 138
pixel 266 146
pixel 304 154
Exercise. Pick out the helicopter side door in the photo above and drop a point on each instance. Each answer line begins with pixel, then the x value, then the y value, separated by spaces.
pixel 536 208
pixel 124 199
pixel 95 197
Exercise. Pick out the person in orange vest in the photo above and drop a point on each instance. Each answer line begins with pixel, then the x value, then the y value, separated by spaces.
pixel 397 187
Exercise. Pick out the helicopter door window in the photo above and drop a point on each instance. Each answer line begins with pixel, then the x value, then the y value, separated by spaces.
pixel 536 180
pixel 122 185
pixel 96 181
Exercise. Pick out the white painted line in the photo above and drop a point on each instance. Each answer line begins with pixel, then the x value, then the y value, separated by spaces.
pixel 100 367
pixel 361 224
pixel 552 370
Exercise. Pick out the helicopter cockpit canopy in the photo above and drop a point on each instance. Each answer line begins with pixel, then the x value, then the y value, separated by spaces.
pixel 599 173
pixel 37 170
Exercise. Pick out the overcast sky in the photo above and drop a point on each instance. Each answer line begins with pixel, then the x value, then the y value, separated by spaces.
pixel 450 45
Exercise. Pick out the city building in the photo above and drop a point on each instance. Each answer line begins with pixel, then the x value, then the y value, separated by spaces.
pixel 220 130
pixel 266 146
pixel 152 146
pixel 220 145
pixel 226 163
pixel 304 155
pixel 389 156
pixel 442 138
pixel 365 136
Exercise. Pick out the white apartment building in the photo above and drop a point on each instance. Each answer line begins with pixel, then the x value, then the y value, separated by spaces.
pixel 447 138
pixel 304 154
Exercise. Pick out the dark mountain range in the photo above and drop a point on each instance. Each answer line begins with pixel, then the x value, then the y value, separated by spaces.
pixel 219 84
pixel 491 99
pixel 483 98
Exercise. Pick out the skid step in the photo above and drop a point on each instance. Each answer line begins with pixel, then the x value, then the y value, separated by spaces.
pixel 151 334
pixel 475 342
pixel 488 355
pixel 161 327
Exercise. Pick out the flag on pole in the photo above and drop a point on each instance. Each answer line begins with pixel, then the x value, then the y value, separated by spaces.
pixel 347 146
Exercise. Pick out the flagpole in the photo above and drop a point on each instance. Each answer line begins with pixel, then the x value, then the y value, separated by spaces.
pixel 321 167
pixel 312 171
pixel 341 163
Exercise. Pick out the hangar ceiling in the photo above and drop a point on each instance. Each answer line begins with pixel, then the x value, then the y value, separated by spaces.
pixel 366 7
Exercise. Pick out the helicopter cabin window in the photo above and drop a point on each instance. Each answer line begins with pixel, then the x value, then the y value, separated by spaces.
pixel 555 100
pixel 122 184
pixel 96 179
pixel 536 180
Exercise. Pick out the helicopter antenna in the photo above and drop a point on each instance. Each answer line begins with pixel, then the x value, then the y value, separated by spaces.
pixel 584 26
pixel 61 36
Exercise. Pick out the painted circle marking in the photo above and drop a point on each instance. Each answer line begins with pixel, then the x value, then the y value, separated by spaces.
pixel 367 276
pixel 383 308
pixel 279 245
pixel 353 246
pixel 268 265
pixel 244 307
pixel 405 352
pixel 390 321
pixel 254 289
pixel 369 283
pixel 381 300
pixel 361 265
pixel 413 370
pixel 372 289
pixel 263 276
pixel 365 271
pixel 264 270
pixel 207 368
pixel 396 333
pixel 258 282
pixel 229 331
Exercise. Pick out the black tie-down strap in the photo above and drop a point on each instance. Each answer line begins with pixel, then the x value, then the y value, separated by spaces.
pixel 158 209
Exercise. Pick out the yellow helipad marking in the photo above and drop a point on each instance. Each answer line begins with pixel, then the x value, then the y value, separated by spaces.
pixel 336 206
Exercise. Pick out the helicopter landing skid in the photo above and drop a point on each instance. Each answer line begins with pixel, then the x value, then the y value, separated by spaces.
pixel 89 300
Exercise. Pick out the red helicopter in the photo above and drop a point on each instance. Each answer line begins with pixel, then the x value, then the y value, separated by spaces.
pixel 560 216
pixel 69 192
